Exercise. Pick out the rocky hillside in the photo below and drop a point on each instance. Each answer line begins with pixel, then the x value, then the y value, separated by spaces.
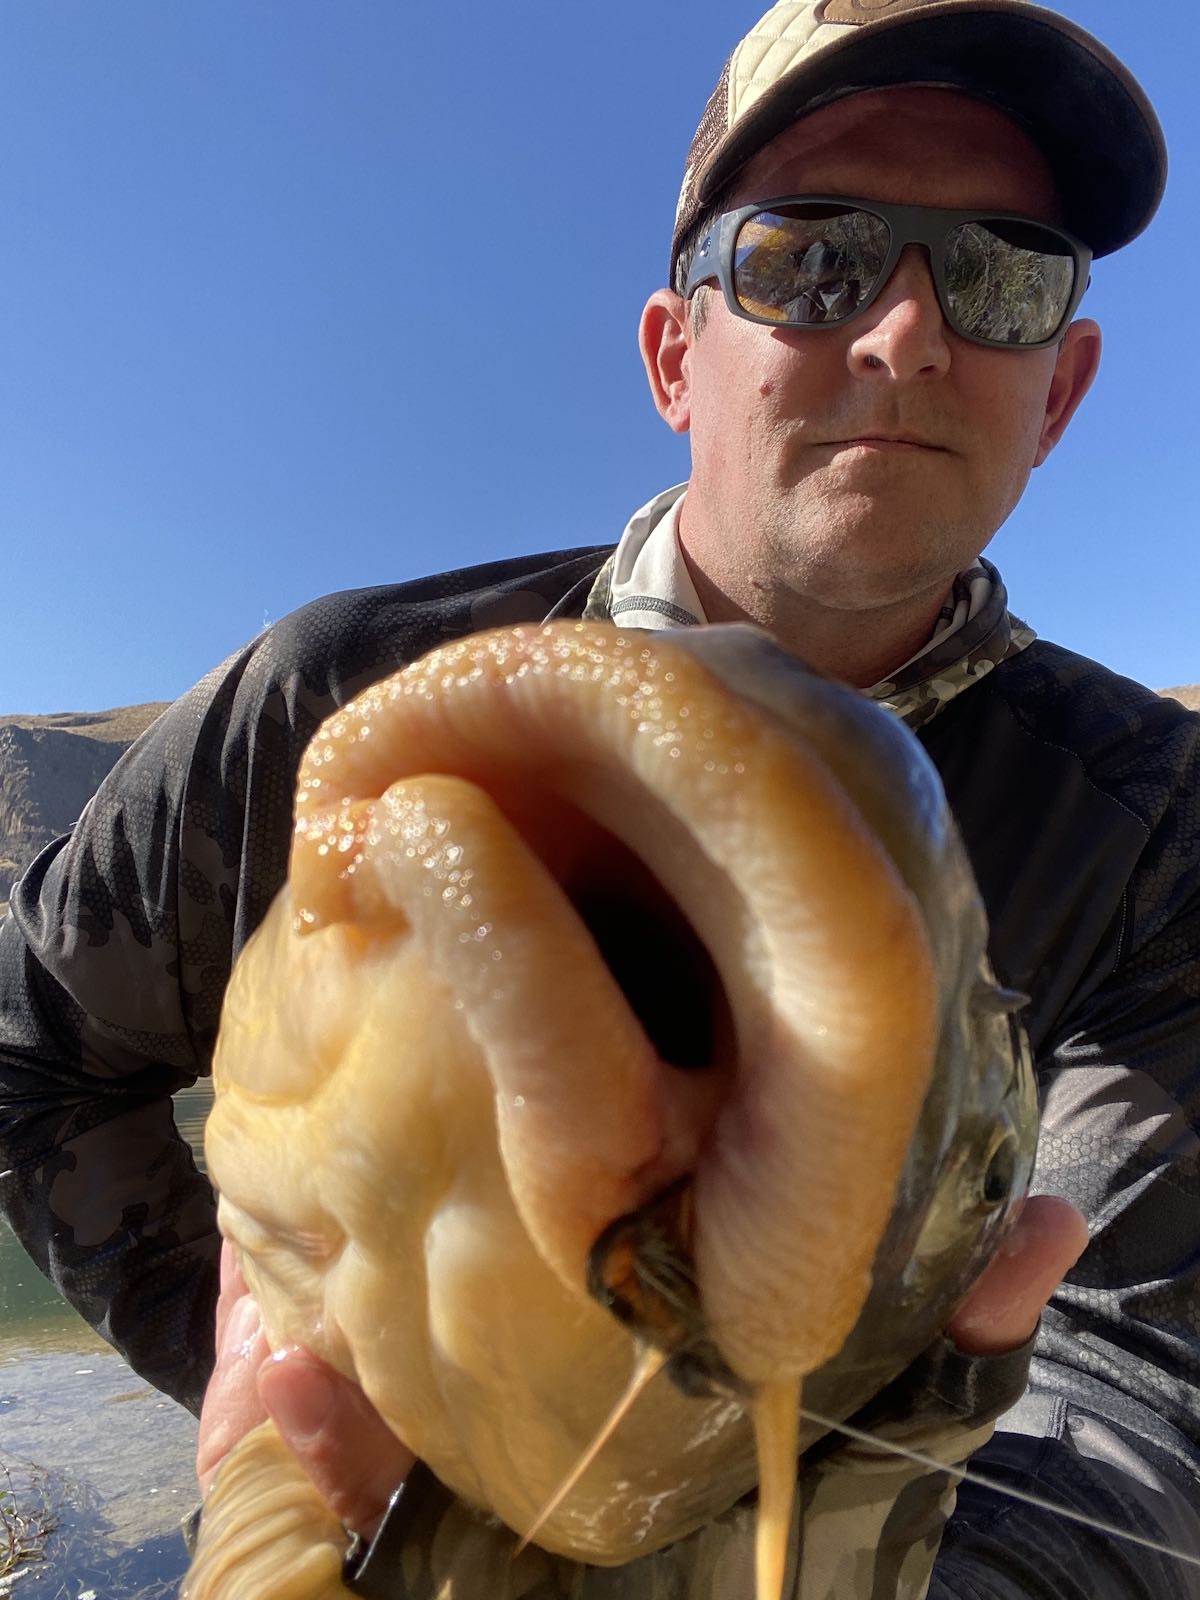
pixel 49 766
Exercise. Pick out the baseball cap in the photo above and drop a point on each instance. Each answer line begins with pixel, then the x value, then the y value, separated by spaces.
pixel 1081 106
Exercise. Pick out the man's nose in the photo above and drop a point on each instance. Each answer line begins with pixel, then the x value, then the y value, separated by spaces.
pixel 904 332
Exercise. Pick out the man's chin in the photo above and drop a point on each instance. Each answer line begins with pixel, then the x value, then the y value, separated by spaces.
pixel 874 567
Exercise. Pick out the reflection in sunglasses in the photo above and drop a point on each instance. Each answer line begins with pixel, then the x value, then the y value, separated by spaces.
pixel 812 262
pixel 1002 291
pixel 807 270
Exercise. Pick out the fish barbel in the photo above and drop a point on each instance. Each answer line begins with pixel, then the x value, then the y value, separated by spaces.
pixel 628 992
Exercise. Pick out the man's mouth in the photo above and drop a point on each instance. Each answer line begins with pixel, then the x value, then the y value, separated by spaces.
pixel 886 442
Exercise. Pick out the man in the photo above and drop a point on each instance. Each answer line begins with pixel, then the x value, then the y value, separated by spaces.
pixel 884 231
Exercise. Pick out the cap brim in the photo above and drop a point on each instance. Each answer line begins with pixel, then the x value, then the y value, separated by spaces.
pixel 1081 106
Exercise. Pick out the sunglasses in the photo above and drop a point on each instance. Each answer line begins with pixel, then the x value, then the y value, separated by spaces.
pixel 816 261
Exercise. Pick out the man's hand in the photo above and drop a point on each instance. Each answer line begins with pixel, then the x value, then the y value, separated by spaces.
pixel 331 1427
pixel 357 1462
pixel 1039 1249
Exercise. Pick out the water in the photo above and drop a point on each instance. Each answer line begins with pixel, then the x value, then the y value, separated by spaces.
pixel 87 1446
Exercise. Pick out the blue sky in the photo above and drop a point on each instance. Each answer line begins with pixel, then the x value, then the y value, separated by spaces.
pixel 306 294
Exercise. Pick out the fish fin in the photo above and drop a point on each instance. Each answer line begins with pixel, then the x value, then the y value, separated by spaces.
pixel 649 1364
pixel 265 1532
pixel 990 999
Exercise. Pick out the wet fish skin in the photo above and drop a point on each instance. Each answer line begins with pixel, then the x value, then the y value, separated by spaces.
pixel 943 1226
pixel 979 1124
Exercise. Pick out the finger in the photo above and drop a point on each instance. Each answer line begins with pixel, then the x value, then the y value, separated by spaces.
pixel 231 1403
pixel 1002 1310
pixel 336 1434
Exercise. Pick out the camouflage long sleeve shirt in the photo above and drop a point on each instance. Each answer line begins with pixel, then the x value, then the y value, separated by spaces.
pixel 1078 794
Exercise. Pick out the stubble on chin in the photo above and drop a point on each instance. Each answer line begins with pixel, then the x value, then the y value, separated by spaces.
pixel 855 552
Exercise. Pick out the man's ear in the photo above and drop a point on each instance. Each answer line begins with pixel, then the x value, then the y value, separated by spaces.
pixel 1076 367
pixel 665 339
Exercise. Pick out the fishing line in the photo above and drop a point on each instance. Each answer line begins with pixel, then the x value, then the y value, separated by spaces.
pixel 651 1362
pixel 969 1475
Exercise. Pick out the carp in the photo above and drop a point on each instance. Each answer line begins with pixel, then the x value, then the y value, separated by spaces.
pixel 627 1005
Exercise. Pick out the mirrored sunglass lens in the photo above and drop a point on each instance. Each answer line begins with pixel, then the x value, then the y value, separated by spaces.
pixel 1010 282
pixel 807 265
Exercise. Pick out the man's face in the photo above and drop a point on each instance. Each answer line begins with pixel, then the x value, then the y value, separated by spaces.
pixel 867 464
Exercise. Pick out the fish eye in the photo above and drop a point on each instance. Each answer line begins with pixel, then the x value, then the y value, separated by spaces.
pixel 1001 1170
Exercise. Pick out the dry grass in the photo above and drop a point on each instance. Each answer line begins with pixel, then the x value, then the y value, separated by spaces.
pixel 54 1532
pixel 25 1521
pixel 120 723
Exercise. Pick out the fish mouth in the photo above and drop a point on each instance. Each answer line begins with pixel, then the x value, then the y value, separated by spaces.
pixel 661 965
pixel 751 1142
pixel 648 943
pixel 656 800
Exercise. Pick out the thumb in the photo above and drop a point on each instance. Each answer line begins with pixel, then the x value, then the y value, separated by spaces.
pixel 341 1441
pixel 1039 1249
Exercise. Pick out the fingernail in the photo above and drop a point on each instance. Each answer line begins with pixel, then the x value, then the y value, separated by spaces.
pixel 302 1405
pixel 242 1328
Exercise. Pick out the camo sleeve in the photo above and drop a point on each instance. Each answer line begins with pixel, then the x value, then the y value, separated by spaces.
pixel 113 966
pixel 113 962
pixel 1110 1427
pixel 120 940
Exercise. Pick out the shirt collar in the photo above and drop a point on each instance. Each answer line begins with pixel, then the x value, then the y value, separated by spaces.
pixel 645 584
